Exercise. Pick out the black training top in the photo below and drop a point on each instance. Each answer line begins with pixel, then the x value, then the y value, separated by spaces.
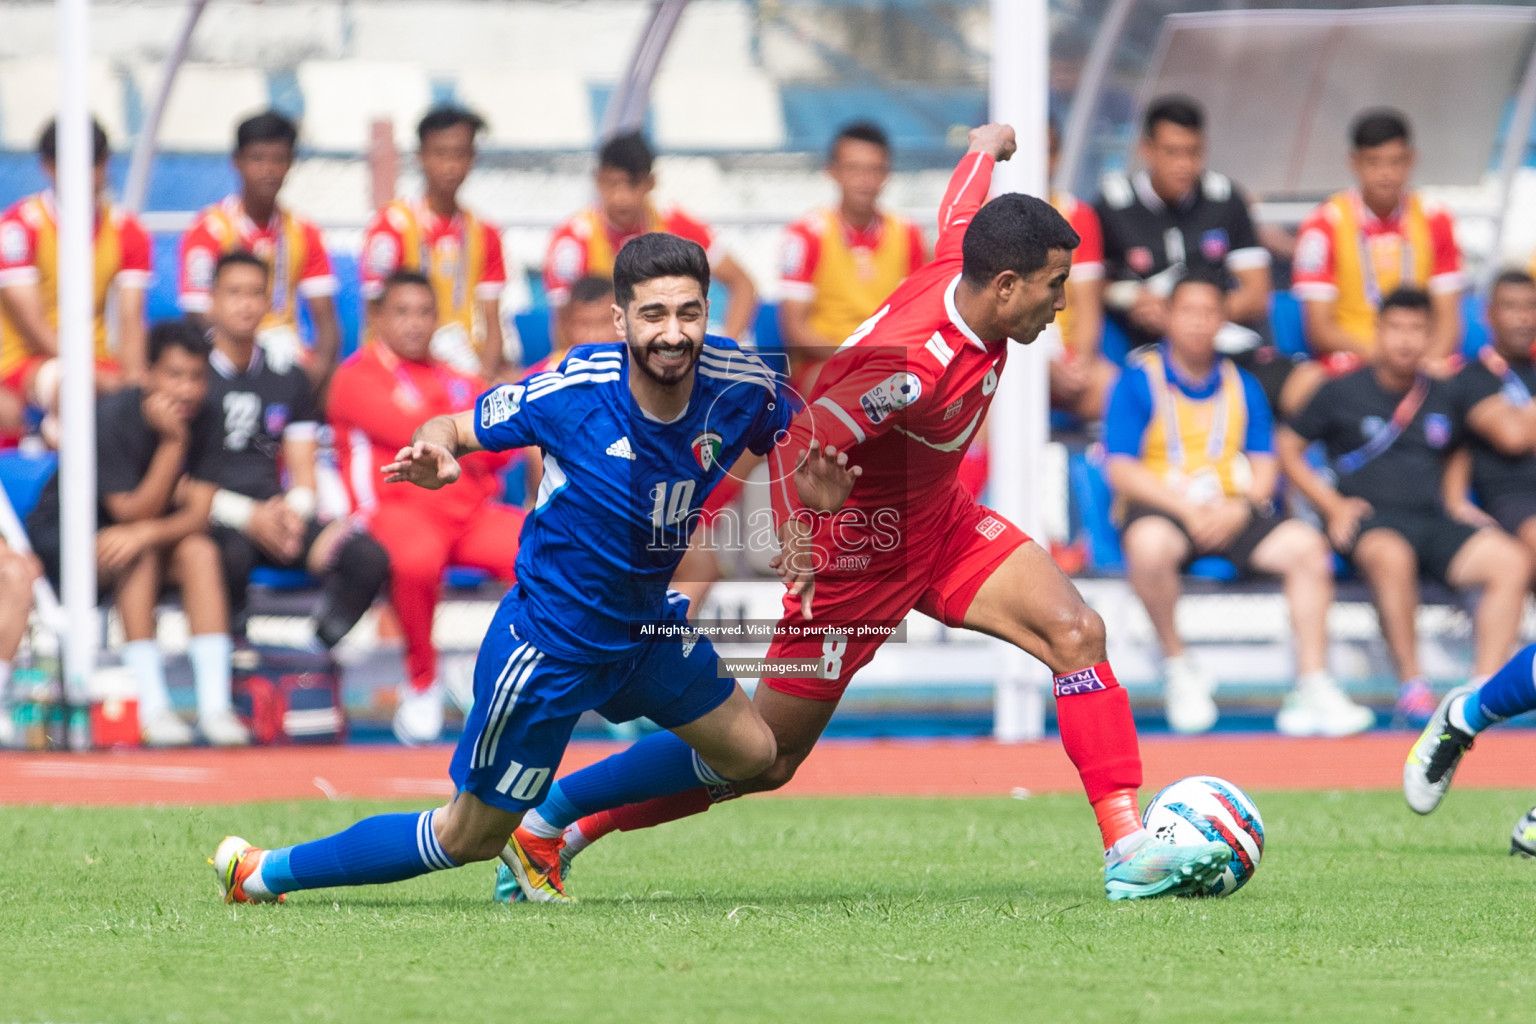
pixel 1495 475
pixel 253 412
pixel 125 447
pixel 1209 233
pixel 1347 412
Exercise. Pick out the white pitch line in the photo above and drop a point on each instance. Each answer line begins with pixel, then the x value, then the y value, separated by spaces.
pixel 115 772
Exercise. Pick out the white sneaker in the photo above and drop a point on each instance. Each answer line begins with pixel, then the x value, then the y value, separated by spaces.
pixel 1322 709
pixel 7 727
pixel 166 730
pixel 458 678
pixel 223 729
pixel 1187 690
pixel 419 718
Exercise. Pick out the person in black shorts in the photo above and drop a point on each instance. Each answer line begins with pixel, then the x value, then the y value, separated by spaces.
pixel 155 452
pixel 267 423
pixel 1388 430
pixel 1174 217
pixel 1189 438
pixel 1494 404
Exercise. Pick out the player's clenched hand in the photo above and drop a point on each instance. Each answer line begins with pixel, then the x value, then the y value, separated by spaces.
pixel 424 464
pixel 824 478
pixel 796 561
pixel 996 140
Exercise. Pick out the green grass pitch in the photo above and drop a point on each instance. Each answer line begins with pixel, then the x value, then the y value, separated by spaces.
pixel 804 910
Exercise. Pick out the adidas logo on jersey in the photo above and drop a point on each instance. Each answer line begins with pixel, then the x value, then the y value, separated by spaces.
pixel 621 449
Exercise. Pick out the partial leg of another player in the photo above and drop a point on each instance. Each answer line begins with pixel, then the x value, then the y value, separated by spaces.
pixel 685 770
pixel 1030 603
pixel 1462 714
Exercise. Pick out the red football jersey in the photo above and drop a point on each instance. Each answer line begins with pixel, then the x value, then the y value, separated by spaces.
pixel 377 400
pixel 907 392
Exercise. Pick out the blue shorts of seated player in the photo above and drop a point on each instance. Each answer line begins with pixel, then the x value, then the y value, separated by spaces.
pixel 527 704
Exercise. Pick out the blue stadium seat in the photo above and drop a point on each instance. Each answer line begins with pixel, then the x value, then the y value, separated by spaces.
pixel 918 118
pixel 24 477
pixel 283 579
pixel 462 577
pixel 1091 492
pixel 1286 324
pixel 1115 344
pixel 160 302
pixel 533 329
pixel 1474 314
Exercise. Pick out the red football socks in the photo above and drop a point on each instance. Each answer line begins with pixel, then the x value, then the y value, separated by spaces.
pixel 1093 713
pixel 1117 816
pixel 646 815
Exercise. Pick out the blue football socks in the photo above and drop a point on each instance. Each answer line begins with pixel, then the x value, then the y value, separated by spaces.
pixel 658 765
pixel 383 848
pixel 1508 692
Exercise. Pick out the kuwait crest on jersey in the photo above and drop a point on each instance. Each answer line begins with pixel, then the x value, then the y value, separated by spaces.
pixel 706 449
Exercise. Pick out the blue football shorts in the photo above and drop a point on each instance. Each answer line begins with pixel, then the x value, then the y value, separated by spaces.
pixel 527 704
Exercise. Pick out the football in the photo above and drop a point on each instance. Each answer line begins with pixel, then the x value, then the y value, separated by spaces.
pixel 1203 808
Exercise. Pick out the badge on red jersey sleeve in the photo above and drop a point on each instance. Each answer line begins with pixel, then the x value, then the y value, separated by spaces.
pixel 890 396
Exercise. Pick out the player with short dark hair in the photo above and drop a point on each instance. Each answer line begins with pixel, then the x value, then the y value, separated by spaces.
pixel 1388 430
pixel 905 395
pixel 1370 240
pixel 839 263
pixel 622 426
pixel 269 428
pixel 156 458
pixel 588 242
pixel 456 249
pixel 1176 216
pixel 252 220
pixel 29 290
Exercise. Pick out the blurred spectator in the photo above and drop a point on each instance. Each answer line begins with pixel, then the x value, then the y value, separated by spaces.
pixel 268 423
pixel 1191 458
pixel 1387 430
pixel 1080 375
pixel 1175 217
pixel 156 456
pixel 29 290
pixel 1494 400
pixel 17 572
pixel 1368 241
pixel 840 264
pixel 253 221
pixel 378 399
pixel 589 321
pixel 457 251
pixel 587 243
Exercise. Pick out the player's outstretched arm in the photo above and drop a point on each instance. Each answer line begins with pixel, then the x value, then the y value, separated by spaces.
pixel 431 459
pixel 824 479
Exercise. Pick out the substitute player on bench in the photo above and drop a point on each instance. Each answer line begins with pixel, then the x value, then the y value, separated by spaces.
pixel 906 392
pixel 251 220
pixel 457 251
pixel 621 484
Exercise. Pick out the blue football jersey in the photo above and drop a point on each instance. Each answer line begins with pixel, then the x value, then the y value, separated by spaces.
pixel 621 491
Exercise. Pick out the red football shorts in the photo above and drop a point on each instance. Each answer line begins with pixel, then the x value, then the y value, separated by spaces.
pixel 938 572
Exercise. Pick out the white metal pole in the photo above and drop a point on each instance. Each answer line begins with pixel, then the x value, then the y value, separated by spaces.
pixel 77 403
pixel 1020 424
pixel 137 185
